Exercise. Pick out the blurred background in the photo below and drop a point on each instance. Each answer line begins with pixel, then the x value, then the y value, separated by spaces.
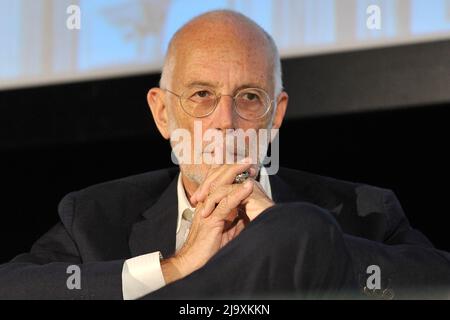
pixel 369 86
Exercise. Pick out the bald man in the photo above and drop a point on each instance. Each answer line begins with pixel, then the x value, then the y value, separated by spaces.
pixel 226 229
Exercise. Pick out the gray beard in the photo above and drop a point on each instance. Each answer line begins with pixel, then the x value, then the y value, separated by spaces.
pixel 195 177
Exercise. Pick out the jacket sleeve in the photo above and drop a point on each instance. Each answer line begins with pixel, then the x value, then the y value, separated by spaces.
pixel 47 272
pixel 400 231
pixel 410 266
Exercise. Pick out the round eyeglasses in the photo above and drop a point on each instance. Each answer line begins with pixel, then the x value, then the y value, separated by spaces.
pixel 249 103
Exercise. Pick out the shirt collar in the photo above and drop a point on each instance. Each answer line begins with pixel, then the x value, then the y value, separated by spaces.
pixel 183 202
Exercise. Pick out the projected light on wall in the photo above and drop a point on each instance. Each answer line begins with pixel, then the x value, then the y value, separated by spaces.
pixel 119 37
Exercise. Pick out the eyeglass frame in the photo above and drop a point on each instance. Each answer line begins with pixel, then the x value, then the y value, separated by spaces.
pixel 217 100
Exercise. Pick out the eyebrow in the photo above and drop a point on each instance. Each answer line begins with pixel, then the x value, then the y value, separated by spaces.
pixel 215 85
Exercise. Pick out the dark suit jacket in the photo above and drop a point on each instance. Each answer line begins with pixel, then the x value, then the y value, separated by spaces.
pixel 103 225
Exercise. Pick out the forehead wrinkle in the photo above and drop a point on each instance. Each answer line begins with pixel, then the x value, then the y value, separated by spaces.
pixel 216 71
pixel 206 84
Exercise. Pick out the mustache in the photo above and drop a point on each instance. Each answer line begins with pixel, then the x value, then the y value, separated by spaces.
pixel 221 145
pixel 229 145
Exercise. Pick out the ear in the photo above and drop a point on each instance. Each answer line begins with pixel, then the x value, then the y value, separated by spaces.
pixel 280 111
pixel 155 99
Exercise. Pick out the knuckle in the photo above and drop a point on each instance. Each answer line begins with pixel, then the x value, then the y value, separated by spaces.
pixel 223 204
pixel 240 189
pixel 206 205
pixel 222 189
pixel 230 188
pixel 210 171
pixel 213 187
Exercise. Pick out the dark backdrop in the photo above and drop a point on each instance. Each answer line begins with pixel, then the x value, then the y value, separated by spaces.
pixel 376 116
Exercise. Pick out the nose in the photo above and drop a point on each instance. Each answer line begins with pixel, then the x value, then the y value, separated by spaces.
pixel 224 117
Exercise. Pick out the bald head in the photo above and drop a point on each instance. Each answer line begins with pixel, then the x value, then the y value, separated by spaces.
pixel 223 33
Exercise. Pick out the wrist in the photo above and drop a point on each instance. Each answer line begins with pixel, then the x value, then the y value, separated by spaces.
pixel 171 270
pixel 256 208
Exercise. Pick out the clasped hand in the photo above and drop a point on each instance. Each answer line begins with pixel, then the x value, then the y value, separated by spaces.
pixel 223 209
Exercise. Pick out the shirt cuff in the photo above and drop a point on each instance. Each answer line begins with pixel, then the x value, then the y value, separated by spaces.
pixel 142 275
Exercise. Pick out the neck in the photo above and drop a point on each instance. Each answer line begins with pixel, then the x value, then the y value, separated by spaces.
pixel 189 187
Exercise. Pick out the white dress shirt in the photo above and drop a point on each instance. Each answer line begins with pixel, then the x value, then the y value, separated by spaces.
pixel 142 275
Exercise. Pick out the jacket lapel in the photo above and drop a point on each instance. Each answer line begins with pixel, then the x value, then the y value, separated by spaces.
pixel 157 230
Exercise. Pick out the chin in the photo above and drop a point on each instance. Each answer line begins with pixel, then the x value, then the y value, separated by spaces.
pixel 194 173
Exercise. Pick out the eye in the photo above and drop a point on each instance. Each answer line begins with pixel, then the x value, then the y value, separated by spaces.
pixel 202 94
pixel 251 96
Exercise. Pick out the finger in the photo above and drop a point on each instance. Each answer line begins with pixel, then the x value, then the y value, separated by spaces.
pixel 232 232
pixel 252 171
pixel 226 172
pixel 239 227
pixel 224 175
pixel 213 199
pixel 232 200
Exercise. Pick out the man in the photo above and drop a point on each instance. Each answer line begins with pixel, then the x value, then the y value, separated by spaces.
pixel 214 230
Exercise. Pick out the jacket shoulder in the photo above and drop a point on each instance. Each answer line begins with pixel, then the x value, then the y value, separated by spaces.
pixel 328 185
pixel 360 208
pixel 120 200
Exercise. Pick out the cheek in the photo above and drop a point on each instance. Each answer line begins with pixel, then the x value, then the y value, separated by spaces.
pixel 182 119
pixel 263 123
